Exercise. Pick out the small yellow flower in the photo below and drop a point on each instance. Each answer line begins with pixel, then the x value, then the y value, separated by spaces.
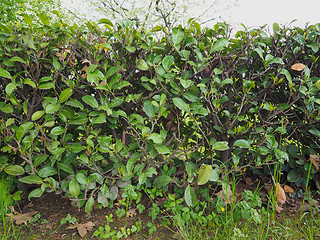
pixel 222 209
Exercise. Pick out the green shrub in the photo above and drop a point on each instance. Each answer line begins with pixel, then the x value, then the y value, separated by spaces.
pixel 91 110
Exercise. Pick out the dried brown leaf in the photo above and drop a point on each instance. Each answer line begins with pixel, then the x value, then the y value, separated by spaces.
pixel 280 194
pixel 226 196
pixel 23 217
pixel 248 181
pixel 131 212
pixel 82 228
pixel 288 189
pixel 86 61
pixel 298 66
pixel 278 208
pixel 315 160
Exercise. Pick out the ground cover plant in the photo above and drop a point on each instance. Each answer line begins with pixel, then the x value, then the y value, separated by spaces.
pixel 107 112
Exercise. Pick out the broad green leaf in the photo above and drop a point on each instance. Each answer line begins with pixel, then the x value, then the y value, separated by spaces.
pixel 65 95
pixel 76 148
pixel 179 103
pixel 5 73
pixel 75 103
pixel 44 18
pixel 242 144
pixel 156 138
pixel 89 205
pixel 37 115
pixel 31 179
pixel 162 149
pixel 288 76
pixel 74 188
pixel 47 171
pixel 281 155
pixel 162 181
pixel 27 19
pixel 294 175
pixel 52 108
pixel 314 46
pixel 105 21
pixel 220 146
pixel 111 71
pixel 14 170
pixel 40 159
pixel 276 60
pixel 142 65
pixel 259 51
pixel 57 130
pixel 276 28
pixel 102 118
pixel 177 36
pixel 82 179
pixel 29 82
pixel 190 196
pixel 10 88
pixel 22 129
pixel 46 85
pixel 148 108
pixel 167 62
pixel 36 193
pixel 219 45
pixel 90 100
pixel 121 84
pixel 65 167
pixel 214 175
pixel 17 59
pixel 204 174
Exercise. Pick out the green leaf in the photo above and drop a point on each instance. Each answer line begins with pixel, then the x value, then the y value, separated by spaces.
pixel 52 108
pixel 167 62
pixel 276 60
pixel 65 167
pixel 111 71
pixel 21 131
pixel 74 188
pixel 161 149
pixel 242 144
pixel 121 84
pixel 156 138
pixel 37 115
pixel 5 73
pixel 105 21
pixel 276 28
pixel 281 155
pixel 65 95
pixel 27 19
pixel 75 103
pixel 29 82
pixel 17 59
pixel 10 88
pixel 161 181
pixel 102 118
pixel 148 108
pixel 47 171
pixel 214 175
pixel 46 85
pixel 14 170
pixel 44 18
pixel 219 45
pixel 179 103
pixel 82 179
pixel 190 196
pixel 177 36
pixel 314 46
pixel 259 51
pixel 142 65
pixel 295 175
pixel 57 130
pixel 220 146
pixel 31 179
pixel 89 205
pixel 36 193
pixel 76 148
pixel 204 174
pixel 90 100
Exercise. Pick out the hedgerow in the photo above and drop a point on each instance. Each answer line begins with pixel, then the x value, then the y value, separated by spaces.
pixel 92 110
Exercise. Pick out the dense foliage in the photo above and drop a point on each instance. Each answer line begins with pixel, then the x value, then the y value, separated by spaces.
pixel 107 109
